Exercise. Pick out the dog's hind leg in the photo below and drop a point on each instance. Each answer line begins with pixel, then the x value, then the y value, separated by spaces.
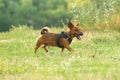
pixel 62 49
pixel 37 46
pixel 45 48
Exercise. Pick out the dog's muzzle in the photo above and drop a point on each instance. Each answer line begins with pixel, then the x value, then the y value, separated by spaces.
pixel 78 36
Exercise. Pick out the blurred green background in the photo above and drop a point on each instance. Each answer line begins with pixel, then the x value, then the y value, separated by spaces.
pixel 38 13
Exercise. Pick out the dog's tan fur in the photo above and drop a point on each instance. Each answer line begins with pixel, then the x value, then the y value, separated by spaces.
pixel 49 39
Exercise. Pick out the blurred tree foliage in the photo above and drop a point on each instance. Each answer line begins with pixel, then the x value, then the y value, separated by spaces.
pixel 35 13
pixel 39 13
pixel 97 13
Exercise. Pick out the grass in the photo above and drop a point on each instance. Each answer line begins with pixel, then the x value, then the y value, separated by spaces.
pixel 18 61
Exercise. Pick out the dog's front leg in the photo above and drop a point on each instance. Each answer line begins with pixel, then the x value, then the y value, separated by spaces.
pixel 65 43
pixel 68 47
pixel 62 49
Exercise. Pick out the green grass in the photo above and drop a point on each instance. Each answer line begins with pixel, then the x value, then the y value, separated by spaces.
pixel 18 61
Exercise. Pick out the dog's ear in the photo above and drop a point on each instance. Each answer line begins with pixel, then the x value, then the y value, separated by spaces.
pixel 77 24
pixel 70 25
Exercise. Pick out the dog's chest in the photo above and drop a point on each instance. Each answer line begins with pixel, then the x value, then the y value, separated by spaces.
pixel 62 35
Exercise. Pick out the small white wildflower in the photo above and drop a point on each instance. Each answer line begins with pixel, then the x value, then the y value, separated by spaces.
pixel 73 57
pixel 36 64
pixel 70 59
pixel 78 57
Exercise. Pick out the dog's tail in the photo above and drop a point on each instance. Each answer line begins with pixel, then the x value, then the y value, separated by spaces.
pixel 44 30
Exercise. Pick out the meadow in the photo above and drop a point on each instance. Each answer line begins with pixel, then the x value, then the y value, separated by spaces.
pixel 18 61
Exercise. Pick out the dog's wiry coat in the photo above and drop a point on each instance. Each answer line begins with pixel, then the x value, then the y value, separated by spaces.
pixel 49 39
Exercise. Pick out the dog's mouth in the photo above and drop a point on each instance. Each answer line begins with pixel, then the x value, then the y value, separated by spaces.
pixel 78 36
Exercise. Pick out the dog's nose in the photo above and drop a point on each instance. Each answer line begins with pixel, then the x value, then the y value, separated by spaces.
pixel 81 34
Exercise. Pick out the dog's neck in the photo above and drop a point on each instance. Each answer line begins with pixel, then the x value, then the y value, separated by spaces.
pixel 69 34
pixel 63 35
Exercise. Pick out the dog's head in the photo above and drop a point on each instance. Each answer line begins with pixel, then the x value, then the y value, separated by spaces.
pixel 75 30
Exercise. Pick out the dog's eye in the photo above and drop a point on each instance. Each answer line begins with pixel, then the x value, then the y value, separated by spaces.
pixel 76 30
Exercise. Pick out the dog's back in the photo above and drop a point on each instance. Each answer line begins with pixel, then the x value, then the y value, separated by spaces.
pixel 48 39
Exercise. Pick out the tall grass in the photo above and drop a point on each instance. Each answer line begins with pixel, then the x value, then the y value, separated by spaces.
pixel 18 61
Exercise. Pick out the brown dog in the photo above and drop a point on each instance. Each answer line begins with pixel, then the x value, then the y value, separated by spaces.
pixel 61 40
